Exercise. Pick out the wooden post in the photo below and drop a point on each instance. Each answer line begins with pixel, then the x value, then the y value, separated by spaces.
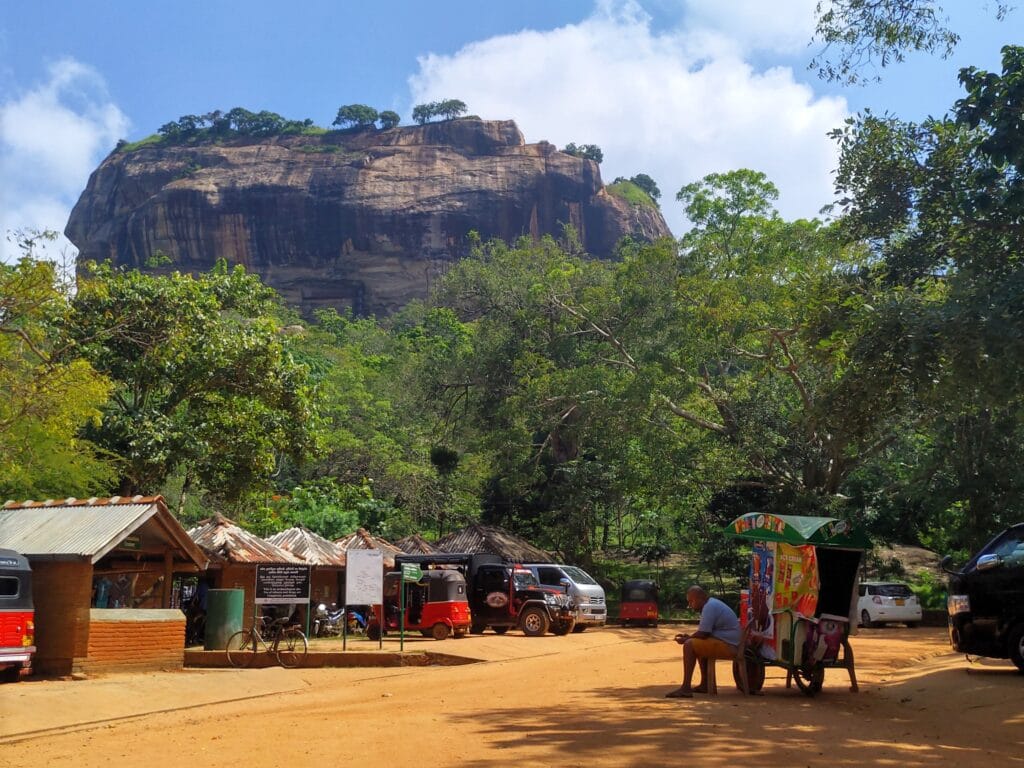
pixel 168 578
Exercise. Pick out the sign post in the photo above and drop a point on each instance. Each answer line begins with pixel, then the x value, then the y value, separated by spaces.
pixel 411 572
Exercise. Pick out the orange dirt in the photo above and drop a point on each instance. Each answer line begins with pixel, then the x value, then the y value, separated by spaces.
pixel 593 699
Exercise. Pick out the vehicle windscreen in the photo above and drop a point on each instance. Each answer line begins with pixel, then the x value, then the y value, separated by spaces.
pixel 524 579
pixel 577 575
pixel 893 590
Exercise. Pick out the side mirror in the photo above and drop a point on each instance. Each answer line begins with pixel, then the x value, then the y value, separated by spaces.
pixel 945 562
pixel 565 584
pixel 988 562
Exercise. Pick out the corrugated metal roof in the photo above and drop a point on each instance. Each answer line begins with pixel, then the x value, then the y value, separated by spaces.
pixel 363 539
pixel 223 540
pixel 493 540
pixel 310 546
pixel 414 544
pixel 87 528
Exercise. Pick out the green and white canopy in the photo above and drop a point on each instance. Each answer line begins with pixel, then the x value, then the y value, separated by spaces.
pixel 797 529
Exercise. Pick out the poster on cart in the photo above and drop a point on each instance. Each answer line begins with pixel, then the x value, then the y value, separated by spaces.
pixel 796 579
pixel 762 589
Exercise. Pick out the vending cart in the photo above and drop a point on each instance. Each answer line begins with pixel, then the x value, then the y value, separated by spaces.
pixel 799 607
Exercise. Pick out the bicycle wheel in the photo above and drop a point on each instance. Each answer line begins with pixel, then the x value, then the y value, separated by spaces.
pixel 241 649
pixel 291 648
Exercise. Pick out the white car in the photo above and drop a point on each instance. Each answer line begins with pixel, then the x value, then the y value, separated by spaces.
pixel 883 602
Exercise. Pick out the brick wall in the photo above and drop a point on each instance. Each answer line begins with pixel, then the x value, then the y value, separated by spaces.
pixel 61 592
pixel 132 640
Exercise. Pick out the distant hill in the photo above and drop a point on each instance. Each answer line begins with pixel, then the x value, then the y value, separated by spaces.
pixel 365 219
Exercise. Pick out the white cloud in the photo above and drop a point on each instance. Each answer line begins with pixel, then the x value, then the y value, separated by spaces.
pixel 676 105
pixel 755 25
pixel 51 138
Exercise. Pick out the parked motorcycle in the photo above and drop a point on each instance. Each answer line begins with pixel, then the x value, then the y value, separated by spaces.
pixel 328 621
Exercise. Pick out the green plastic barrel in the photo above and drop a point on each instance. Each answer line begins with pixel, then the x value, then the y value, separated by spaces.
pixel 223 617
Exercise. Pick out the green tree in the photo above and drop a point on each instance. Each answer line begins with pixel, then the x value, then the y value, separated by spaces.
pixel 389 119
pixel 49 392
pixel 874 33
pixel 586 151
pixel 941 203
pixel 204 379
pixel 449 109
pixel 356 116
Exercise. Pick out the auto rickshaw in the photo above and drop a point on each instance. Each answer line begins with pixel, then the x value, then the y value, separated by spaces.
pixel 437 605
pixel 17 616
pixel 801 602
pixel 639 603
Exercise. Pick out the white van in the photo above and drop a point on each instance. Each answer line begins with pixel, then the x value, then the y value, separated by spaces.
pixel 587 595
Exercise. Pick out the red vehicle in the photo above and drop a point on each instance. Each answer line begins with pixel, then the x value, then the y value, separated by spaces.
pixel 639 604
pixel 17 617
pixel 436 605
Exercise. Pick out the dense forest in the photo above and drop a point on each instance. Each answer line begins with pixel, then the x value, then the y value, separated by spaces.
pixel 863 366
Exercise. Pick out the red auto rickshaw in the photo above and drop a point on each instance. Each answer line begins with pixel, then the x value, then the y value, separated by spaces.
pixel 436 606
pixel 17 616
pixel 639 603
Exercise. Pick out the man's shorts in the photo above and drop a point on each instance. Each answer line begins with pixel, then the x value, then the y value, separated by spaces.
pixel 712 648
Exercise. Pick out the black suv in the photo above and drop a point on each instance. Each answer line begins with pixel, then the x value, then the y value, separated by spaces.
pixel 986 600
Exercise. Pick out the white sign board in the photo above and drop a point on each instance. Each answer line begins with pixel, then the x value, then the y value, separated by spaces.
pixel 364 577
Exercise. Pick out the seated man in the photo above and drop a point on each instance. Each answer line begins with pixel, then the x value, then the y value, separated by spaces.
pixel 716 637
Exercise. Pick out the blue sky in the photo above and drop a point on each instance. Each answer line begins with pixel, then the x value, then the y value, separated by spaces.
pixel 672 88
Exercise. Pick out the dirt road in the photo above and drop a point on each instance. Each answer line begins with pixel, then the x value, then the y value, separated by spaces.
pixel 593 699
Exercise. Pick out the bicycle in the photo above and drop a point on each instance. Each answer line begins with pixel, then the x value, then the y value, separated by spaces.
pixel 287 643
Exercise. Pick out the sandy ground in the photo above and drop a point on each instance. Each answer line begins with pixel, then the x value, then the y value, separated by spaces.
pixel 594 699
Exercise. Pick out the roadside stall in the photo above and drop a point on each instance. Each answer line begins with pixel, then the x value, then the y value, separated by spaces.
pixel 102 571
pixel 800 606
pixel 328 567
pixel 272 579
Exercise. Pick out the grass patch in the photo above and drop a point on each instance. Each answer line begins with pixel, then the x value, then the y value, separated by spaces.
pixel 631 193
pixel 150 141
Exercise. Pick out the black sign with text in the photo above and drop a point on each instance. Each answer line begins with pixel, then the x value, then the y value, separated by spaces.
pixel 282 584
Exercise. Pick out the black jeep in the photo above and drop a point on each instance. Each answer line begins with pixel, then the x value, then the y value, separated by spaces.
pixel 986 600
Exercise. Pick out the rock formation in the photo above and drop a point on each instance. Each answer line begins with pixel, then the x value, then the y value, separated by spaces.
pixel 362 219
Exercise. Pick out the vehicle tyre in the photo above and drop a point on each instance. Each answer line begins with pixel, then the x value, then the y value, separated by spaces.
pixel 579 628
pixel 1017 647
pixel 499 630
pixel 911 625
pixel 755 674
pixel 534 622
pixel 373 631
pixel 865 619
pixel 809 681
pixel 292 648
pixel 440 631
pixel 427 632
pixel 563 627
pixel 11 674
pixel 477 629
pixel 241 649
pixel 654 625
pixel 458 634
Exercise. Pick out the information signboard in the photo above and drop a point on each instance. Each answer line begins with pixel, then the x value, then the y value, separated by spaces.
pixel 280 584
pixel 411 572
pixel 364 577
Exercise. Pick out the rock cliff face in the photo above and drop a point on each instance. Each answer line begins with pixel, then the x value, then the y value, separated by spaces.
pixel 366 219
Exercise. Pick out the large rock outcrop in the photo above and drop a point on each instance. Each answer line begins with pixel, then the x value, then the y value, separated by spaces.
pixel 364 219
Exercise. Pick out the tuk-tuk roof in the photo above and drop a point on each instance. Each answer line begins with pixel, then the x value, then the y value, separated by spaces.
pixel 797 529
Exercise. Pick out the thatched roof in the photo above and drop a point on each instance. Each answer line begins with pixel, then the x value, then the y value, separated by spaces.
pixel 311 547
pixel 363 539
pixel 224 541
pixel 491 539
pixel 414 544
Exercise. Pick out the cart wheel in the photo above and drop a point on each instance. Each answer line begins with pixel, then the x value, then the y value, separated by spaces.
pixel 809 681
pixel 755 675
pixel 440 631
